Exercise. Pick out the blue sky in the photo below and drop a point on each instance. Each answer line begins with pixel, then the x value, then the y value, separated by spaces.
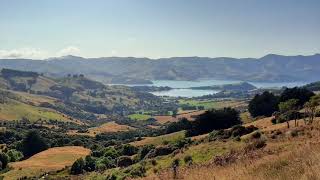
pixel 158 28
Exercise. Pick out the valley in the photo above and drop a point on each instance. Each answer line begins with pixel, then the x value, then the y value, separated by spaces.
pixel 127 132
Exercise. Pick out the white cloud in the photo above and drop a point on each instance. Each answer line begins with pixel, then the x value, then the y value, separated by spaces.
pixel 70 50
pixel 23 53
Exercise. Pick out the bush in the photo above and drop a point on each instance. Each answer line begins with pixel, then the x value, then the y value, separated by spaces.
pixel 111 152
pixel 236 132
pixel 77 167
pixel 4 160
pixel 256 144
pixel 108 162
pixel 188 160
pixel 137 171
pixel 263 105
pixel 77 142
pixel 144 150
pixel 124 161
pixel 256 135
pixel 128 150
pixel 214 120
pixel 182 124
pixel 160 151
pixel 153 162
pixel 90 164
pixel 14 155
pixel 182 143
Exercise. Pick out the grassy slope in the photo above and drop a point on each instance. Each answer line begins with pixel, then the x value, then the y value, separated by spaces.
pixel 209 104
pixel 139 117
pixel 15 110
pixel 52 159
pixel 104 128
pixel 284 157
pixel 160 139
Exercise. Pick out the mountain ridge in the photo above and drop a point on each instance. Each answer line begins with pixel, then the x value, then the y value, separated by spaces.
pixel 133 70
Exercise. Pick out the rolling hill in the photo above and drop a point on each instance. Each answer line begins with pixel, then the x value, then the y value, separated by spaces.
pixel 34 96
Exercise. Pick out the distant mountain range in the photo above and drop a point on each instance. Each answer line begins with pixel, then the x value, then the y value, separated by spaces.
pixel 131 70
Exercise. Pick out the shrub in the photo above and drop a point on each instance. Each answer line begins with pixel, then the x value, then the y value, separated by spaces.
pixel 188 159
pixel 256 144
pixel 111 152
pixel 90 164
pixel 105 163
pixel 153 162
pixel 160 151
pixel 14 155
pixel 182 143
pixel 77 167
pixel 77 142
pixel 137 171
pixel 4 159
pixel 124 161
pixel 236 132
pixel 182 124
pixel 256 135
pixel 128 150
pixel 144 150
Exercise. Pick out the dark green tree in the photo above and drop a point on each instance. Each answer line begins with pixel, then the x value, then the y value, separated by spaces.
pixel 301 94
pixel 4 160
pixel 78 166
pixel 263 105
pixel 32 144
pixel 128 150
pixel 90 164
pixel 214 119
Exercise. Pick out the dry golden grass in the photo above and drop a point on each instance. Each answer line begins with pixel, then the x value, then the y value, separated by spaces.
pixel 284 158
pixel 189 115
pixel 104 128
pixel 111 127
pixel 52 159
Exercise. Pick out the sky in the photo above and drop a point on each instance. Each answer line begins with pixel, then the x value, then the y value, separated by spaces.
pixel 158 28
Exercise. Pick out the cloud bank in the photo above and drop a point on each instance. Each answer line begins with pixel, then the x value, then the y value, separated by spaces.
pixel 36 53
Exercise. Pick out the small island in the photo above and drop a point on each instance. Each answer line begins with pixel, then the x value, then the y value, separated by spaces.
pixel 242 86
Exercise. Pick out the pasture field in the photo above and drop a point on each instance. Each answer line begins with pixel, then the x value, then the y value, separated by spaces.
pixel 49 160
pixel 106 127
pixel 212 104
pixel 139 117
pixel 15 110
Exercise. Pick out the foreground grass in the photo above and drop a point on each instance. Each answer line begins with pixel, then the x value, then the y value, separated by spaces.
pixel 285 157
